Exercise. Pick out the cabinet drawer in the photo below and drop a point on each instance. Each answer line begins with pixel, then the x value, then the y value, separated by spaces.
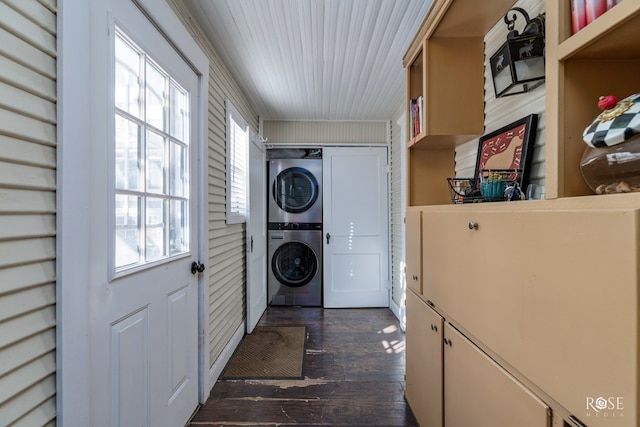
pixel 552 292
pixel 480 393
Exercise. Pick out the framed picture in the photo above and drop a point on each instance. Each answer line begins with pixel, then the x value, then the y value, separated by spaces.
pixel 509 147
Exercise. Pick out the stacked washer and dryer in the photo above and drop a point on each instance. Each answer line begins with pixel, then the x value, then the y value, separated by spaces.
pixel 295 227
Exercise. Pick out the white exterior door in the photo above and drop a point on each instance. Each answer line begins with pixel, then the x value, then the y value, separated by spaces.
pixel 143 295
pixel 256 234
pixel 356 227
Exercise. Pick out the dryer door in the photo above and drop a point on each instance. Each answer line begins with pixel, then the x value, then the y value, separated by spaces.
pixel 294 264
pixel 295 190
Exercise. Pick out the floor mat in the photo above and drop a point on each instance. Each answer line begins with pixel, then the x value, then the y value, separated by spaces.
pixel 269 353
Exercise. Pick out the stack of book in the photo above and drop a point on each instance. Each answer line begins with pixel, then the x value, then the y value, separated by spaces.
pixel 416 115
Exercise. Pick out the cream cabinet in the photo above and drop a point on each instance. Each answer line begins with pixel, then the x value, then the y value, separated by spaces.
pixel 424 361
pixel 479 393
pixel 413 263
pixel 450 382
pixel 549 289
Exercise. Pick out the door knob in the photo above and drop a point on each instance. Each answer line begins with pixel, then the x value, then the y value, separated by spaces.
pixel 196 267
pixel 328 238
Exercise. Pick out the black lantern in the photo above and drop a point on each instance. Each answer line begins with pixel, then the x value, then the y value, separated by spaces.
pixel 518 66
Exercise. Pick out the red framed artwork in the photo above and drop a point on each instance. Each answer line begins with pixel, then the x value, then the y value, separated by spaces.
pixel 508 148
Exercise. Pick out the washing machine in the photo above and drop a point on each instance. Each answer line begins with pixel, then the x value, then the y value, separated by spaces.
pixel 295 264
pixel 295 191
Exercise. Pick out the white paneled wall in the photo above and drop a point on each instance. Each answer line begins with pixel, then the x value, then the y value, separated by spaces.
pixel 226 265
pixel 324 132
pixel 502 111
pixel 27 212
pixel 398 207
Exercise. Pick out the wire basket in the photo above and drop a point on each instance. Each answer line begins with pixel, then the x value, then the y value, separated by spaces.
pixel 489 187
pixel 464 190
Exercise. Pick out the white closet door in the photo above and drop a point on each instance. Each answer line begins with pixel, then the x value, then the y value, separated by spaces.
pixel 356 227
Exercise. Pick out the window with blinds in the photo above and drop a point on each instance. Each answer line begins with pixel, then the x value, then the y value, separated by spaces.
pixel 237 165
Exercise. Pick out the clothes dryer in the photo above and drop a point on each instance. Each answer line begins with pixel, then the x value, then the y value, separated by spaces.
pixel 295 191
pixel 295 264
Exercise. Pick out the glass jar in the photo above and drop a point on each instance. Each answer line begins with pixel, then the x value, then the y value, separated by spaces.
pixel 614 169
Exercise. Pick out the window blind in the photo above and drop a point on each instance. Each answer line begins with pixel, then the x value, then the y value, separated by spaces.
pixel 237 139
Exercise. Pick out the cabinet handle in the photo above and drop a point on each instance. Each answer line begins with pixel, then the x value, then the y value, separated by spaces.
pixel 415 277
pixel 473 225
pixel 447 341
pixel 434 328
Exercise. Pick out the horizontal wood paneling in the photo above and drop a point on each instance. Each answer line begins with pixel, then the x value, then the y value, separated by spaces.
pixel 15 408
pixel 27 212
pixel 502 111
pixel 28 128
pixel 19 151
pixel 27 29
pixel 226 242
pixel 27 104
pixel 23 226
pixel 28 177
pixel 26 350
pixel 28 80
pixel 301 132
pixel 21 379
pixel 36 12
pixel 17 303
pixel 398 205
pixel 23 52
pixel 26 325
pixel 23 201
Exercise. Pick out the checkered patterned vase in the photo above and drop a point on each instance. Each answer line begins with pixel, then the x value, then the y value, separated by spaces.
pixel 614 127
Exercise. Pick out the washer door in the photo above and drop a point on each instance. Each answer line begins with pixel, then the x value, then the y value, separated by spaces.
pixel 295 190
pixel 294 264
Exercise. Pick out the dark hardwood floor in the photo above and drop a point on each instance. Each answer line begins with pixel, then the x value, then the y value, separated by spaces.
pixel 354 376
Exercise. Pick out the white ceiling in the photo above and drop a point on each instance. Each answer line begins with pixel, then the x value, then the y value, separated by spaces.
pixel 315 59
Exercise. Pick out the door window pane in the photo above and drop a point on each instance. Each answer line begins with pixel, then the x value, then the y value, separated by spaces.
pixel 127 154
pixel 178 230
pixel 128 83
pixel 127 230
pixel 177 170
pixel 151 185
pixel 155 97
pixel 179 113
pixel 155 221
pixel 155 163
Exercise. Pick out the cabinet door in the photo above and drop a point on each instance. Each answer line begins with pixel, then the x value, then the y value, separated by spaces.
pixel 414 250
pixel 554 292
pixel 479 393
pixel 424 362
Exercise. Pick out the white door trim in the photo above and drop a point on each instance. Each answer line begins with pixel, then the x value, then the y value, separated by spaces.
pixel 73 197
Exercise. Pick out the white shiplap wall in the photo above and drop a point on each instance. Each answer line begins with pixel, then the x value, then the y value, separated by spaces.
pixel 226 266
pixel 27 212
pixel 324 132
pixel 398 204
pixel 502 111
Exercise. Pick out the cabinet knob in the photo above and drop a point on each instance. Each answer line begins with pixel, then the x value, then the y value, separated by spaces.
pixel 415 277
pixel 447 341
pixel 434 328
pixel 473 225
